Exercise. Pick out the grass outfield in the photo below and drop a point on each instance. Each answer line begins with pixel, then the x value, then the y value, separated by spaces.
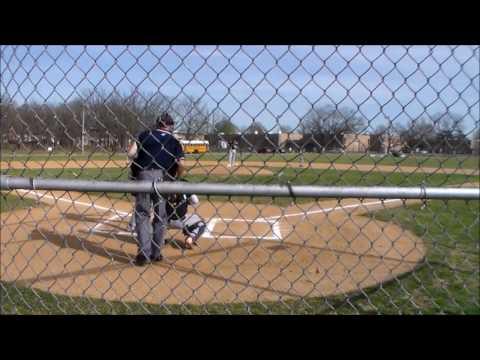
pixel 431 160
pixel 10 202
pixel 420 160
pixel 447 282
pixel 301 176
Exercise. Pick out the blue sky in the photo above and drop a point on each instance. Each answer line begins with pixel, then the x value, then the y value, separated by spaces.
pixel 271 84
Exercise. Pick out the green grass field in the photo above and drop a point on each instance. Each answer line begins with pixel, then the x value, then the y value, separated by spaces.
pixel 300 176
pixel 430 160
pixel 446 283
pixel 421 160
pixel 9 202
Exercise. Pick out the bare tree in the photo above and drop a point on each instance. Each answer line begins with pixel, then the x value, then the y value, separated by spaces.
pixel 328 125
pixel 448 122
pixel 7 113
pixel 155 104
pixel 442 133
pixel 219 122
pixel 385 138
pixel 8 110
pixel 476 142
pixel 192 117
pixel 254 128
pixel 114 116
pixel 225 126
pixel 417 134
pixel 34 122
pixel 121 116
pixel 449 135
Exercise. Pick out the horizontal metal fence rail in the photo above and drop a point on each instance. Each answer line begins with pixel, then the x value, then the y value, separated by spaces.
pixel 287 190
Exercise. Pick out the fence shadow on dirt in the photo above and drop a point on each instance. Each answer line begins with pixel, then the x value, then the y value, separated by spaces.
pixel 79 243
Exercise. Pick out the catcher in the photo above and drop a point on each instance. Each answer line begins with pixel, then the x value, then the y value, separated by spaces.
pixel 192 225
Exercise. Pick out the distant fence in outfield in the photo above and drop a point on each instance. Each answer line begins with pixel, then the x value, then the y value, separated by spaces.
pixel 355 187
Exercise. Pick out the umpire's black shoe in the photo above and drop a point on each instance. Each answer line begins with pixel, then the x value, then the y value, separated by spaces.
pixel 156 258
pixel 141 260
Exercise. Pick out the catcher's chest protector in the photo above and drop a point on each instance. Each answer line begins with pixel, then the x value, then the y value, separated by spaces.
pixel 177 206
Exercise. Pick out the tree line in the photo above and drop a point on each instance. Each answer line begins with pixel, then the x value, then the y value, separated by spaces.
pixel 441 133
pixel 115 116
pixel 120 116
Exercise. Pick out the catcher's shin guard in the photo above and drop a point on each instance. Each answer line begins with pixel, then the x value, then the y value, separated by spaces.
pixel 195 230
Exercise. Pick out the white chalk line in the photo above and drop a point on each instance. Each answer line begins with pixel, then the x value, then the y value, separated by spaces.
pixel 275 226
pixel 116 233
pixel 260 220
pixel 332 209
pixel 277 232
pixel 209 231
pixel 210 226
pixel 263 219
pixel 276 229
pixel 40 196
pixel 207 234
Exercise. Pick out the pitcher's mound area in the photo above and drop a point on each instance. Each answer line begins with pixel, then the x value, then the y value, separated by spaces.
pixel 79 245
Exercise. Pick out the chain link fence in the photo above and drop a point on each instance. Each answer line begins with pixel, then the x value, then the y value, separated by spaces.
pixel 330 179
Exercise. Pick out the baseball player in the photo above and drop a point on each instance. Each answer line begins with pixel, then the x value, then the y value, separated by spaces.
pixel 302 157
pixel 192 225
pixel 232 153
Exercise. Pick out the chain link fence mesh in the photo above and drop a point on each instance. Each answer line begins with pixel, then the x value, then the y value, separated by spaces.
pixel 399 116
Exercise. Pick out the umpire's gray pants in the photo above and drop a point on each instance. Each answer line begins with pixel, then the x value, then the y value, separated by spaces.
pixel 143 203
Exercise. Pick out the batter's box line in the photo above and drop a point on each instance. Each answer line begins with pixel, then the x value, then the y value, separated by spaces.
pixel 248 221
pixel 274 224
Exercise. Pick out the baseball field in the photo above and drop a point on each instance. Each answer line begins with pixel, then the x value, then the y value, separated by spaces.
pixel 258 254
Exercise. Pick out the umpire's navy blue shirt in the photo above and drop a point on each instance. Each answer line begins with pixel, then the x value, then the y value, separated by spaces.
pixel 158 149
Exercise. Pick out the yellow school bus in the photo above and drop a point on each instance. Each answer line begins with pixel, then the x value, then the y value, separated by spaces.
pixel 195 146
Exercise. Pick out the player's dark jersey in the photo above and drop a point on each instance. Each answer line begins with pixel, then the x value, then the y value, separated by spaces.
pixel 157 149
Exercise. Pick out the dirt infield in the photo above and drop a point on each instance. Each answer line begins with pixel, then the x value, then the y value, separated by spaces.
pixel 244 168
pixel 222 170
pixel 76 244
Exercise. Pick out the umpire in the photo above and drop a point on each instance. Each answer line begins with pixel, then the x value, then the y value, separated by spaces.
pixel 158 157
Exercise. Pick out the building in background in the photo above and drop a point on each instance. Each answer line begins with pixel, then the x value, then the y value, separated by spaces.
pixel 355 142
